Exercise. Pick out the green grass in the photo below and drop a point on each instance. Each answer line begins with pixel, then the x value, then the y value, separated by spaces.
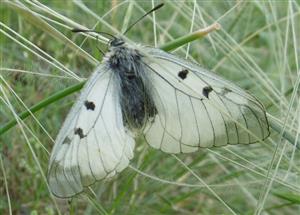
pixel 257 48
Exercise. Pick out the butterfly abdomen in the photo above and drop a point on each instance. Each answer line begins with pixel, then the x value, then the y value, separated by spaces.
pixel 136 104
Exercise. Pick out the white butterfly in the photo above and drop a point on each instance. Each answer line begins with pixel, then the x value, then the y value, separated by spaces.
pixel 177 106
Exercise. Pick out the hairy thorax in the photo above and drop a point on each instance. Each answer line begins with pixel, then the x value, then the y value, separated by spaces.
pixel 131 75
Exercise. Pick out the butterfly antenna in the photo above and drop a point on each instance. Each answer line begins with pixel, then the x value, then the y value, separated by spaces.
pixel 152 10
pixel 78 30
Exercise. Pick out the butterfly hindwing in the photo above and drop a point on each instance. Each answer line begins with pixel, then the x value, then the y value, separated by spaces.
pixel 92 143
pixel 199 109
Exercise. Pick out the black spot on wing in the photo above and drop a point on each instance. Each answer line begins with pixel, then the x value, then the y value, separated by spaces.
pixel 225 91
pixel 206 90
pixel 79 132
pixel 66 141
pixel 183 74
pixel 89 105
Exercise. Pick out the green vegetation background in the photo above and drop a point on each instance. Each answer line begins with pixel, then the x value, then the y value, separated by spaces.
pixel 257 48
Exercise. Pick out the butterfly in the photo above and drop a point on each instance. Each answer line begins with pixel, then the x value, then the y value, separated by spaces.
pixel 176 105
pixel 138 91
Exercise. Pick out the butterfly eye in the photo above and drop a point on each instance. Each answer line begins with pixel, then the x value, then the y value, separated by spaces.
pixel 116 42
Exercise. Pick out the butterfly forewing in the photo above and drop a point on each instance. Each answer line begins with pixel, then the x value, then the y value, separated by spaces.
pixel 199 109
pixel 92 143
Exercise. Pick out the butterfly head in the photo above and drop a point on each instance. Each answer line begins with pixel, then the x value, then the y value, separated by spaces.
pixel 116 42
